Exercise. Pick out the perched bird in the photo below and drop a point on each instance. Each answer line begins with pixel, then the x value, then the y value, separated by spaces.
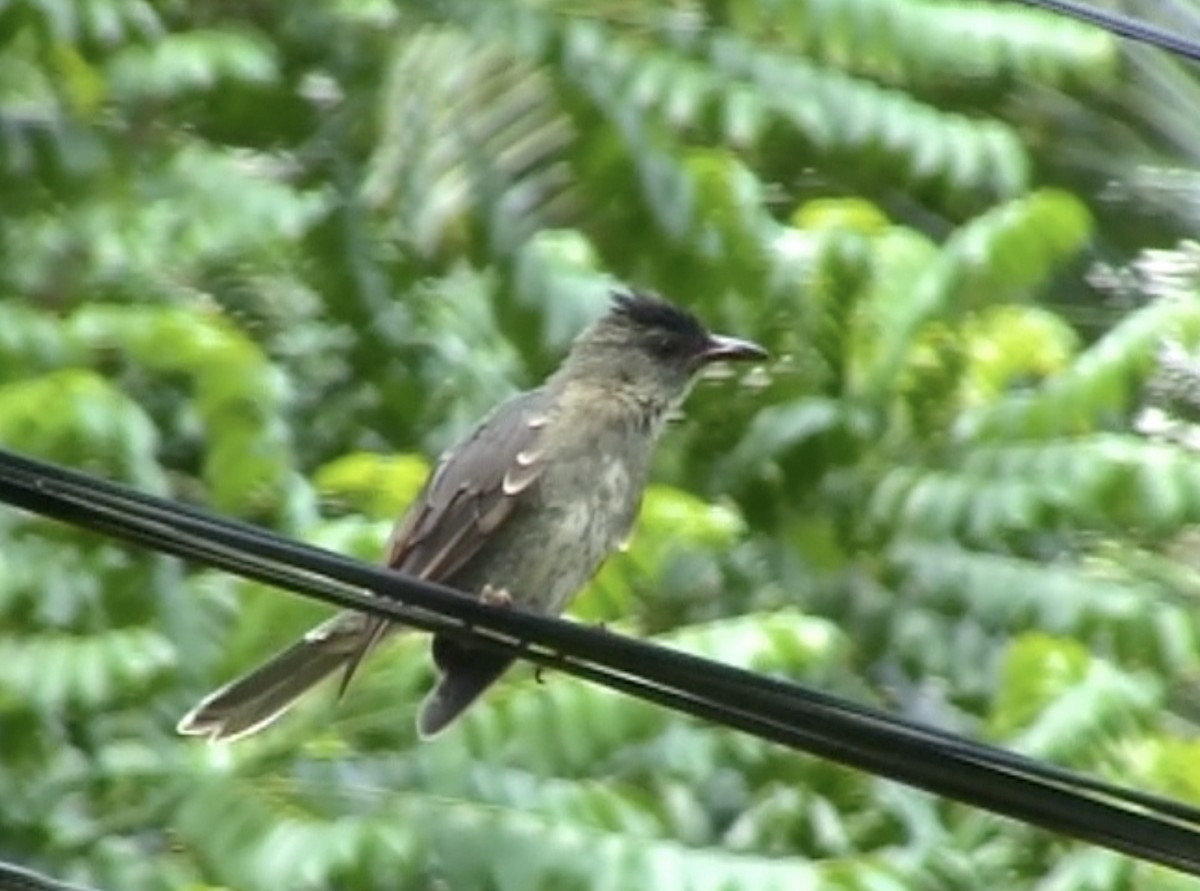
pixel 525 509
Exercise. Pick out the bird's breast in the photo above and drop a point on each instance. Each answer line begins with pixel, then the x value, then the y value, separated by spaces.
pixel 595 503
pixel 579 509
pixel 587 507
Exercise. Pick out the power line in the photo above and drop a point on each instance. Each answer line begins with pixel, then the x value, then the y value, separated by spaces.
pixel 1141 825
pixel 18 878
pixel 1121 25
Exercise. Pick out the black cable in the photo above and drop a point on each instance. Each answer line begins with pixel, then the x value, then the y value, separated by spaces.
pixel 189 550
pixel 1121 25
pixel 18 878
pixel 1146 826
pixel 247 541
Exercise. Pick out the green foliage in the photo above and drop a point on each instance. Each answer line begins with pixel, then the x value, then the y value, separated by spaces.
pixel 371 484
pixel 462 146
pixel 99 426
pixel 59 672
pixel 1059 703
pixel 836 113
pixel 238 396
pixel 925 41
pixel 596 755
pixel 999 257
pixel 669 565
pixel 275 259
pixel 195 61
pixel 1103 382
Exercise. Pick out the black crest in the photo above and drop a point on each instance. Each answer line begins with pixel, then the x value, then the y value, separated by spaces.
pixel 656 316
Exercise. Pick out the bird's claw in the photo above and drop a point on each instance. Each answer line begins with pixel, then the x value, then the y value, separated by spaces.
pixel 495 596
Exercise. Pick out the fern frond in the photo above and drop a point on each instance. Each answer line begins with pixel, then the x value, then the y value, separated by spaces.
pixel 1108 481
pixel 52 672
pixel 1056 701
pixel 746 90
pixel 177 64
pixel 1103 482
pixel 230 205
pixel 927 43
pixel 851 118
pixel 1099 387
pixel 1006 593
pixel 470 133
pixel 247 840
pixel 1002 255
pixel 240 395
pixel 104 23
pixel 93 425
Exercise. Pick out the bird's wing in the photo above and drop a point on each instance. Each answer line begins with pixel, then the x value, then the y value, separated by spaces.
pixel 472 491
pixel 475 487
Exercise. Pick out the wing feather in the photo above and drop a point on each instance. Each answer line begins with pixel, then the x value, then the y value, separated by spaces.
pixel 473 490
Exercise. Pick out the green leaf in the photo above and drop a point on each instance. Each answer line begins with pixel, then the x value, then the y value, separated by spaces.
pixel 373 484
pixel 1058 702
pixel 53 672
pixel 93 425
pixel 197 60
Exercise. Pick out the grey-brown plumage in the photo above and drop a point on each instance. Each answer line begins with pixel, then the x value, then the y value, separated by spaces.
pixel 528 506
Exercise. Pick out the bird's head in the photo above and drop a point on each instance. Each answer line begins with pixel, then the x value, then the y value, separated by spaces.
pixel 652 348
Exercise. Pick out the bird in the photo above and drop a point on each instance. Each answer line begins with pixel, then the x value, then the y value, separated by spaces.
pixel 525 509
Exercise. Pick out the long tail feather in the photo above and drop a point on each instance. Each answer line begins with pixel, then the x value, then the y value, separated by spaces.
pixel 252 701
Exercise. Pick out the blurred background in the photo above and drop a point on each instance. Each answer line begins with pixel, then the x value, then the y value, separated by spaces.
pixel 272 257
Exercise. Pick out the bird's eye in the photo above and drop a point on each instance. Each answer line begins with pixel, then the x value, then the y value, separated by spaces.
pixel 664 346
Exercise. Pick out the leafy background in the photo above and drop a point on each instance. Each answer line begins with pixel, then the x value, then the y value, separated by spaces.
pixel 270 258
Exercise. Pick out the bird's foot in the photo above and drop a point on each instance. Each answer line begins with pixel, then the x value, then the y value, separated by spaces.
pixel 495 596
pixel 539 674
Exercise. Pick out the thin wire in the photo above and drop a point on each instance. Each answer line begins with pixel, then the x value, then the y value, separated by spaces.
pixel 241 554
pixel 245 543
pixel 1121 25
pixel 18 878
pixel 787 713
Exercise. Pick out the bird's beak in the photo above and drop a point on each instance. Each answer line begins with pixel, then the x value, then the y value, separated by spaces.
pixel 731 349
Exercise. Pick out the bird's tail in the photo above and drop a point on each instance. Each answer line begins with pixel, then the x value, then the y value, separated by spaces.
pixel 466 673
pixel 252 701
